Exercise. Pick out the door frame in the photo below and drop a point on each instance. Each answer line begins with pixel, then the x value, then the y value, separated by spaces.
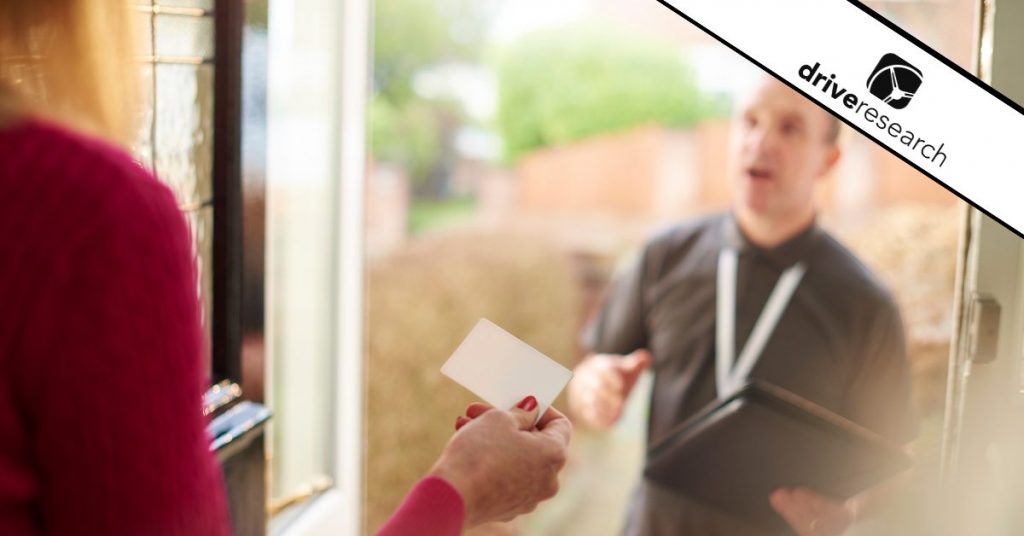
pixel 982 459
pixel 339 510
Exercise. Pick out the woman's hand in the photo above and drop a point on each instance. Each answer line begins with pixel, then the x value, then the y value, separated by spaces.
pixel 502 465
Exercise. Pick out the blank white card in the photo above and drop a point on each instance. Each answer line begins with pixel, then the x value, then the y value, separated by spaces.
pixel 502 370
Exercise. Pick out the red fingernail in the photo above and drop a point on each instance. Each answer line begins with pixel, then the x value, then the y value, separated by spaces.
pixel 527 404
pixel 460 422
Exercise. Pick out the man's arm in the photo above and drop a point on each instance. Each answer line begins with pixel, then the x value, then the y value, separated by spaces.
pixel 603 380
pixel 601 384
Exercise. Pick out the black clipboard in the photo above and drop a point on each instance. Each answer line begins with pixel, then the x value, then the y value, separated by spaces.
pixel 735 452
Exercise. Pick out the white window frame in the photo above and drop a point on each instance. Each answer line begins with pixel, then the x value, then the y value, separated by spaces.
pixel 338 511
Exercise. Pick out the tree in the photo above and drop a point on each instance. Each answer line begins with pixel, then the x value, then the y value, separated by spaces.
pixel 567 84
pixel 409 37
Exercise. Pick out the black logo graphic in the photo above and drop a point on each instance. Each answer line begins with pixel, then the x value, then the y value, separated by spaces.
pixel 894 81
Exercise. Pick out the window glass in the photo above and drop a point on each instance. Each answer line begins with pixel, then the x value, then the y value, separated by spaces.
pixel 176 127
pixel 302 244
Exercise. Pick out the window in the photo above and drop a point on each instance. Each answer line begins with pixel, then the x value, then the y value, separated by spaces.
pixel 176 140
pixel 315 110
pixel 191 137
pixel 257 171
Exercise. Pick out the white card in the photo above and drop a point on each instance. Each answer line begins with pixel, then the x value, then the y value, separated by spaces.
pixel 502 370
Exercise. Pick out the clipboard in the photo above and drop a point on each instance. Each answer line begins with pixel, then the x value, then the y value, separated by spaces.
pixel 735 452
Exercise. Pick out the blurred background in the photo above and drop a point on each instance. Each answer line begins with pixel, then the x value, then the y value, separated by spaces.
pixel 365 179
pixel 520 150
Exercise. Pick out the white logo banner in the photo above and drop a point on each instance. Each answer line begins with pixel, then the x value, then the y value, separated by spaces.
pixel 888 86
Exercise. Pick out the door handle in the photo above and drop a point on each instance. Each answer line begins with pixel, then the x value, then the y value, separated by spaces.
pixel 983 334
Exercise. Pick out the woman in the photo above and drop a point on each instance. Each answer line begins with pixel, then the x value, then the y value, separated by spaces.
pixel 496 466
pixel 100 339
pixel 101 381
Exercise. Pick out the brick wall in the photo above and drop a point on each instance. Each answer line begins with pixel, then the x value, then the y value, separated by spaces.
pixel 655 174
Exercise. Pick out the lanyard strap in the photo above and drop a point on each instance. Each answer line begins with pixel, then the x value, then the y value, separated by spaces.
pixel 727 377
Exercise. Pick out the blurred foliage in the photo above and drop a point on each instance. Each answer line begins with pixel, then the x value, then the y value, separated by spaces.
pixel 565 84
pixel 409 37
pixel 422 301
pixel 409 136
pixel 428 215
pixel 411 34
pixel 256 13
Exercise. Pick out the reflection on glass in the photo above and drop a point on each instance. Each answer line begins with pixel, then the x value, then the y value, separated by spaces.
pixel 301 319
pixel 184 36
pixel 254 170
pixel 204 4
pixel 200 223
pixel 184 130
pixel 143 146
pixel 301 193
pixel 175 129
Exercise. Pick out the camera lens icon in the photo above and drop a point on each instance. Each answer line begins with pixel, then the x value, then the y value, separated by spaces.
pixel 894 81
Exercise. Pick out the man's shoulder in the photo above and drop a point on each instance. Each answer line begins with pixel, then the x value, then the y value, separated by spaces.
pixel 841 267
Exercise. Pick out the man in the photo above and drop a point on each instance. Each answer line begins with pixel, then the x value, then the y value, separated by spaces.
pixel 837 338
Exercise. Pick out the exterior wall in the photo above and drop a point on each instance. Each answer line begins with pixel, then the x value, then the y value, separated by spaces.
pixel 612 175
pixel 655 174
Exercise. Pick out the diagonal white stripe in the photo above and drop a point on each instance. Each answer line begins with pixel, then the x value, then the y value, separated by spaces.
pixel 977 130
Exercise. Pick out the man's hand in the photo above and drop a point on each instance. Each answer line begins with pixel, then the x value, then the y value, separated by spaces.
pixel 601 384
pixel 502 465
pixel 811 514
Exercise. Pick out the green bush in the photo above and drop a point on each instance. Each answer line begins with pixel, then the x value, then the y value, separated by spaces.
pixel 409 136
pixel 429 215
pixel 421 302
pixel 410 36
pixel 562 85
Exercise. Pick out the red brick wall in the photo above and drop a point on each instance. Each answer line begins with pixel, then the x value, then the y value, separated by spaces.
pixel 901 183
pixel 656 175
pixel 606 175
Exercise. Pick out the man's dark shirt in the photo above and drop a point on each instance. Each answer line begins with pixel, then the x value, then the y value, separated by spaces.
pixel 839 343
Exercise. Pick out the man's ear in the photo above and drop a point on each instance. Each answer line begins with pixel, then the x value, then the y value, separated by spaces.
pixel 834 152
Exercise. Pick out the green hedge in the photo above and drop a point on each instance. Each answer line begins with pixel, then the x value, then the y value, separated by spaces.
pixel 558 86
pixel 409 135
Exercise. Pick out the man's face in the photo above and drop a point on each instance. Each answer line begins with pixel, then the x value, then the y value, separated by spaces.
pixel 779 148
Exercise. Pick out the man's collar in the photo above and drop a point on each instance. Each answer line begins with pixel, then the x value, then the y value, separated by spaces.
pixel 784 255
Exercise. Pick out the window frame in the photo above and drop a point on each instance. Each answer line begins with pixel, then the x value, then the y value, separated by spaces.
pixel 979 457
pixel 338 510
pixel 226 314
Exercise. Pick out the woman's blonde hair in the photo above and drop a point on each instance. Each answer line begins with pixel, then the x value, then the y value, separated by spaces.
pixel 72 61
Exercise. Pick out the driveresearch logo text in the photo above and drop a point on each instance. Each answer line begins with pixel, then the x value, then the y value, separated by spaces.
pixel 894 81
pixel 827 84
